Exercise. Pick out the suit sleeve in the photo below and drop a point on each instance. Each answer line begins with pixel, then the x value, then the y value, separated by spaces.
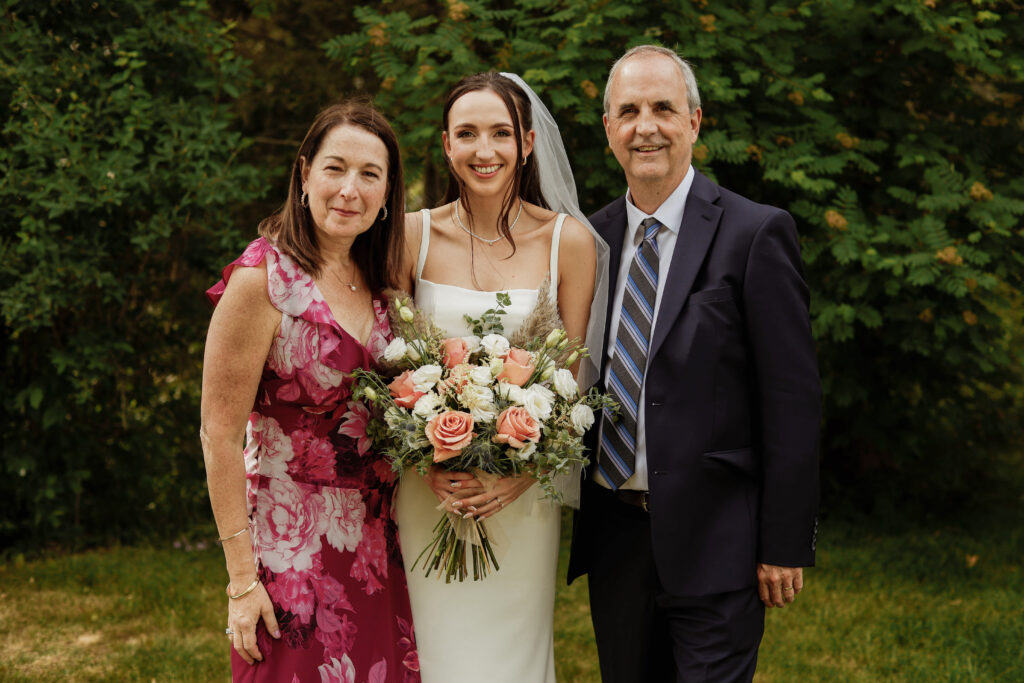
pixel 788 392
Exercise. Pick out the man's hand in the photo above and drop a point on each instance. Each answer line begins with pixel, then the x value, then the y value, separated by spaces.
pixel 779 585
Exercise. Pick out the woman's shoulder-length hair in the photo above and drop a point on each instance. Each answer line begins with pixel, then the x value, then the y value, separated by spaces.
pixel 378 251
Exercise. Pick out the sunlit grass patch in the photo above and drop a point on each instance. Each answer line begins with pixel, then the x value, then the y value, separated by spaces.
pixel 908 604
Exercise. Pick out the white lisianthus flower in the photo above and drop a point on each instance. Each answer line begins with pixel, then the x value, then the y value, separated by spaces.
pixel 393 417
pixel 495 345
pixel 565 384
pixel 428 405
pixel 538 402
pixel 415 349
pixel 480 401
pixel 473 342
pixel 511 392
pixel 496 366
pixel 527 451
pixel 480 375
pixel 426 376
pixel 582 418
pixel 395 350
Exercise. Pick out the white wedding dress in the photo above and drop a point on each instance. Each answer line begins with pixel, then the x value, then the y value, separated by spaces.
pixel 498 629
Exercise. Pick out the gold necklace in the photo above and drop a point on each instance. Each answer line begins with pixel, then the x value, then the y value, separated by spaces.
pixel 458 219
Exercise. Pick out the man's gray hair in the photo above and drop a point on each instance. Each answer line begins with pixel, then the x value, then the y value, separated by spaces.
pixel 692 94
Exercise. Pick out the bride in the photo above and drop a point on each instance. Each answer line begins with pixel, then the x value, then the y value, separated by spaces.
pixel 503 228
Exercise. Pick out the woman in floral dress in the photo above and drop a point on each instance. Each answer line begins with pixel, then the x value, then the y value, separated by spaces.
pixel 317 592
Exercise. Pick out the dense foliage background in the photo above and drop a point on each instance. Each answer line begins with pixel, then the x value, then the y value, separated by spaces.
pixel 143 140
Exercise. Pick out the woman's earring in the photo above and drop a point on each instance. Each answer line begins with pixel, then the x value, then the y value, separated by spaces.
pixel 304 199
pixel 385 210
pixel 524 160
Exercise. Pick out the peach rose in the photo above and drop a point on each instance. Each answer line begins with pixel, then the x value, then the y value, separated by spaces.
pixel 449 433
pixel 455 351
pixel 516 427
pixel 404 391
pixel 517 368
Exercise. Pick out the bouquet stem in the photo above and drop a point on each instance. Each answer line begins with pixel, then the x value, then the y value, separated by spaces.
pixel 446 553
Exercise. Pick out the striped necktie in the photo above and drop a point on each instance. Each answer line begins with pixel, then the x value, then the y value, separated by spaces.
pixel 617 452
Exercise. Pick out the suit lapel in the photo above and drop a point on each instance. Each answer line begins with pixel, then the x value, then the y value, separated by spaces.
pixel 613 230
pixel 700 222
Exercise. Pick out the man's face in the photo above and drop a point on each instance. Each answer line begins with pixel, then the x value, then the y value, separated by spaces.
pixel 649 125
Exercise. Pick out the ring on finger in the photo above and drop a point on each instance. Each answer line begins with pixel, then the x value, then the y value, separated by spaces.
pixel 787 588
pixel 228 632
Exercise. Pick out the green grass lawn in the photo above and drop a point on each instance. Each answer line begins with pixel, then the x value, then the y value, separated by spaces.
pixel 914 603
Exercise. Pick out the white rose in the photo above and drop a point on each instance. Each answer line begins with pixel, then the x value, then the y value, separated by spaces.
pixel 495 345
pixel 395 350
pixel 427 406
pixel 538 402
pixel 480 375
pixel 426 376
pixel 473 342
pixel 511 392
pixel 582 418
pixel 564 384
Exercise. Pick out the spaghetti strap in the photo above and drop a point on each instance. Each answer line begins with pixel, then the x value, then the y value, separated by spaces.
pixel 556 235
pixel 424 242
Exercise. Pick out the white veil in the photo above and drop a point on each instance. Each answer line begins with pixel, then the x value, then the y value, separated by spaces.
pixel 559 190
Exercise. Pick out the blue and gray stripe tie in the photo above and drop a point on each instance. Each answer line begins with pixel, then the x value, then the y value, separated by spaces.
pixel 616 457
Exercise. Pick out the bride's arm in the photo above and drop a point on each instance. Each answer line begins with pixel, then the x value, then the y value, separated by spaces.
pixel 577 261
pixel 413 234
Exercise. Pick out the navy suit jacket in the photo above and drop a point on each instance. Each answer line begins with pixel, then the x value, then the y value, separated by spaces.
pixel 733 399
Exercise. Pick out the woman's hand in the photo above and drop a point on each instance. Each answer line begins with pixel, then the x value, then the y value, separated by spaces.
pixel 488 503
pixel 446 484
pixel 243 615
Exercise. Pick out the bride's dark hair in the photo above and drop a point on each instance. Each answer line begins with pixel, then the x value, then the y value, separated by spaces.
pixel 526 178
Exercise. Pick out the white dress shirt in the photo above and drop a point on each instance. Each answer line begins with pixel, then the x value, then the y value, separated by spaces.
pixel 670 215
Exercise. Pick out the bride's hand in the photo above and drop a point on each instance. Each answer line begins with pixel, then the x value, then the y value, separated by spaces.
pixel 243 615
pixel 489 503
pixel 446 484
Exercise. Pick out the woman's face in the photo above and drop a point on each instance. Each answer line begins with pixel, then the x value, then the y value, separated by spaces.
pixel 346 182
pixel 481 143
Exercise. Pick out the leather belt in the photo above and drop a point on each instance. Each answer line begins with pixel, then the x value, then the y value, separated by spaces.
pixel 640 499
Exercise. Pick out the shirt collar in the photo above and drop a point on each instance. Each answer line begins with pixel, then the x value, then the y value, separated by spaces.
pixel 669 214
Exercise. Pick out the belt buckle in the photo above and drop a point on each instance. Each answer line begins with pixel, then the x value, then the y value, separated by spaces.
pixel 645 497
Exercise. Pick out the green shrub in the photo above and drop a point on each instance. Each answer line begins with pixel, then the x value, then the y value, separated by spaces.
pixel 115 206
pixel 891 130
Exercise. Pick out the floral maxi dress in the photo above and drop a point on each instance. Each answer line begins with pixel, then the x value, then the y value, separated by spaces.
pixel 320 499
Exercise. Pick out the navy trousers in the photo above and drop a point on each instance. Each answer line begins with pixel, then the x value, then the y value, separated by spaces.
pixel 647 635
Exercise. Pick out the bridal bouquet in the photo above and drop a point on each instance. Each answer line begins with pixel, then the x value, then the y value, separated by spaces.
pixel 487 404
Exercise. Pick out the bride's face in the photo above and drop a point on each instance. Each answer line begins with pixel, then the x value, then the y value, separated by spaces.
pixel 481 145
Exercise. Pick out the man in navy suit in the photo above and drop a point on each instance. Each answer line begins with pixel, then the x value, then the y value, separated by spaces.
pixel 701 507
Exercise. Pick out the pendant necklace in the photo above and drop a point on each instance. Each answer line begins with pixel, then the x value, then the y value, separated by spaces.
pixel 351 284
pixel 458 219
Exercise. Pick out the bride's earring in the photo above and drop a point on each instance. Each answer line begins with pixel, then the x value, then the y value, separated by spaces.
pixel 385 210
pixel 304 199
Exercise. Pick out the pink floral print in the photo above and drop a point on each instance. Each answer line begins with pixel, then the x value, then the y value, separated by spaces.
pixel 320 499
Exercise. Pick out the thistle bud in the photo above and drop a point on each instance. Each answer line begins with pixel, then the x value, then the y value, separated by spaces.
pixel 369 393
pixel 553 338
pixel 406 314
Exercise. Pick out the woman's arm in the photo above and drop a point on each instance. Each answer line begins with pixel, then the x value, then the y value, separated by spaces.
pixel 577 262
pixel 242 329
pixel 413 234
